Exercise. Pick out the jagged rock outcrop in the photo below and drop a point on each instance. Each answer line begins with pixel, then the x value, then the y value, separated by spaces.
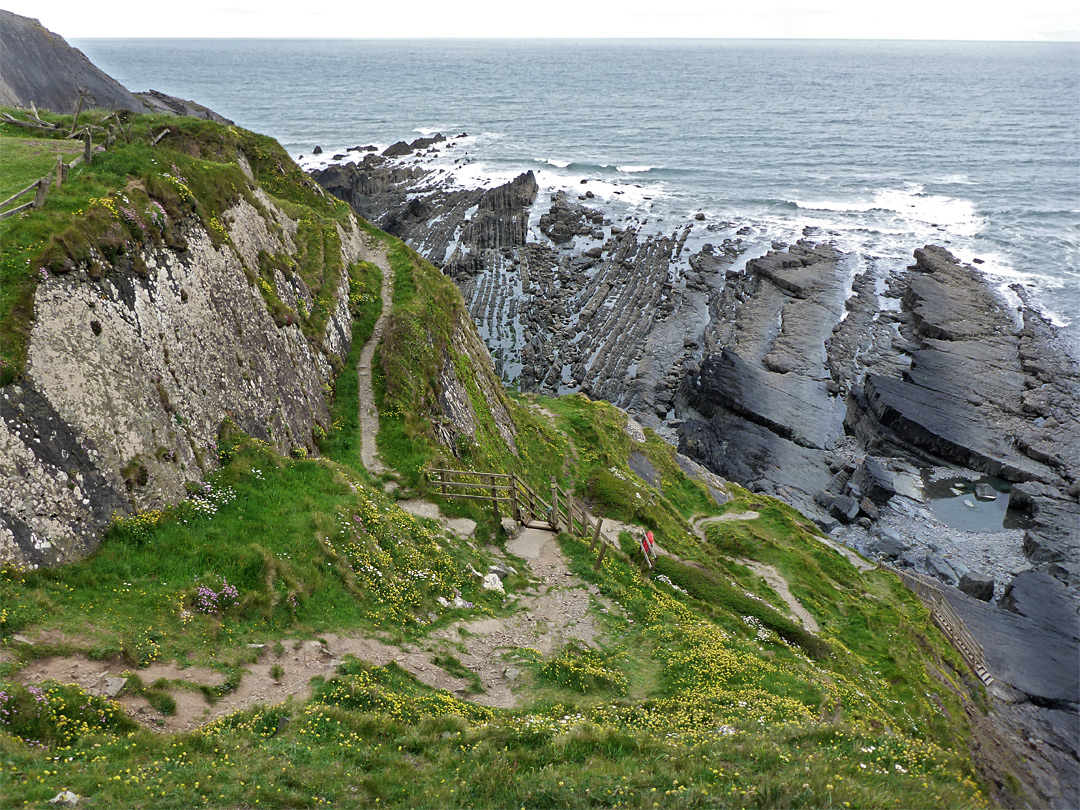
pixel 130 376
pixel 569 302
pixel 986 393
pixel 156 101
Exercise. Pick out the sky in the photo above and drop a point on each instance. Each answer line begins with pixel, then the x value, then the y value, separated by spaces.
pixel 767 19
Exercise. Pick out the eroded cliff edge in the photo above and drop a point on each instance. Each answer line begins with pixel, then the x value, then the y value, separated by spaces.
pixel 129 377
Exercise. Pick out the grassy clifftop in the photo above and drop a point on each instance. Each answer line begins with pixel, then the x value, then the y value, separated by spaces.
pixel 754 667
pixel 136 195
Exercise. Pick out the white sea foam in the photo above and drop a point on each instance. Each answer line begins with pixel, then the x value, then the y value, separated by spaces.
pixel 558 164
pixel 956 180
pixel 427 132
pixel 634 169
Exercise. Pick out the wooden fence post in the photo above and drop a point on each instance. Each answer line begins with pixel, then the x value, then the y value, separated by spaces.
pixel 596 534
pixel 515 509
pixel 42 191
pixel 88 145
pixel 59 170
pixel 554 505
pixel 442 483
pixel 494 498
pixel 600 559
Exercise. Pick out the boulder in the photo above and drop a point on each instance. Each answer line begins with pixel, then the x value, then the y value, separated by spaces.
pixel 1022 495
pixel 500 570
pixel 981 586
pixel 869 508
pixel 317 150
pixel 874 481
pixel 938 566
pixel 509 527
pixel 845 509
pixel 890 545
pixel 492 582
pixel 1040 597
pixel 985 492
pixel 114 686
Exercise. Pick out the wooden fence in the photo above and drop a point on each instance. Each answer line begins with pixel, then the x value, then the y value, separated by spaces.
pixel 41 186
pixel 561 511
pixel 948 621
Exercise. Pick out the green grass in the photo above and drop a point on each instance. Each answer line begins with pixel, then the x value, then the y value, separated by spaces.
pixel 24 160
pixel 342 442
pixel 293 538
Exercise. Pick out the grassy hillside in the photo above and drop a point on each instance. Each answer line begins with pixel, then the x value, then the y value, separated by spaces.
pixel 700 688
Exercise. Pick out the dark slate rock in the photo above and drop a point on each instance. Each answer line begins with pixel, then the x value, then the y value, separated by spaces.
pixel 39 66
pixel 643 467
pixel 398 149
pixel 826 524
pixel 317 150
pixel 985 492
pixel 825 499
pixel 868 508
pixel 793 407
pixel 1023 494
pixel 1053 533
pixel 874 480
pixel 1038 659
pixel 845 509
pixel 939 567
pixel 1043 599
pixel 979 586
pixel 159 102
pixel 890 545
pixel 946 425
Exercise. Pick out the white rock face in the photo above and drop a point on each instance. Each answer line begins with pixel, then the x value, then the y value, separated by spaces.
pixel 130 378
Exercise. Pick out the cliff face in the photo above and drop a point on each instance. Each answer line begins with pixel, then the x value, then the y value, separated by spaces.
pixel 129 378
pixel 40 66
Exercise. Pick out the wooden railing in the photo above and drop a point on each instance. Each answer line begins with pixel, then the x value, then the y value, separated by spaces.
pixel 41 186
pixel 562 511
pixel 948 621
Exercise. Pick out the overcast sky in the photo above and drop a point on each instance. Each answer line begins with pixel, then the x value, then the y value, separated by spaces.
pixel 827 19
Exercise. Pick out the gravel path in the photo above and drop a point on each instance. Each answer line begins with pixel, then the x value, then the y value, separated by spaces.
pixel 369 416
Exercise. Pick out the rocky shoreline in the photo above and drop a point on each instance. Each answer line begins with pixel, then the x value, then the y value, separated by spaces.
pixel 847 394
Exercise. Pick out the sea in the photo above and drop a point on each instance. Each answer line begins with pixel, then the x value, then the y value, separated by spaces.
pixel 878 146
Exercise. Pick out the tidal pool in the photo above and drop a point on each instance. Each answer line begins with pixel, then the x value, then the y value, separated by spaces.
pixel 952 501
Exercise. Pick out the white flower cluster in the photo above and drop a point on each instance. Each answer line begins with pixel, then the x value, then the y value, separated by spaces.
pixel 754 623
pixel 663 578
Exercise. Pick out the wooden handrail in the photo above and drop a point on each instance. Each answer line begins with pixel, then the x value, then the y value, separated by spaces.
pixel 948 621
pixel 562 510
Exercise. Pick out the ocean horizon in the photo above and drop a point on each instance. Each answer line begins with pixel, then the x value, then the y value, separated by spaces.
pixel 877 146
